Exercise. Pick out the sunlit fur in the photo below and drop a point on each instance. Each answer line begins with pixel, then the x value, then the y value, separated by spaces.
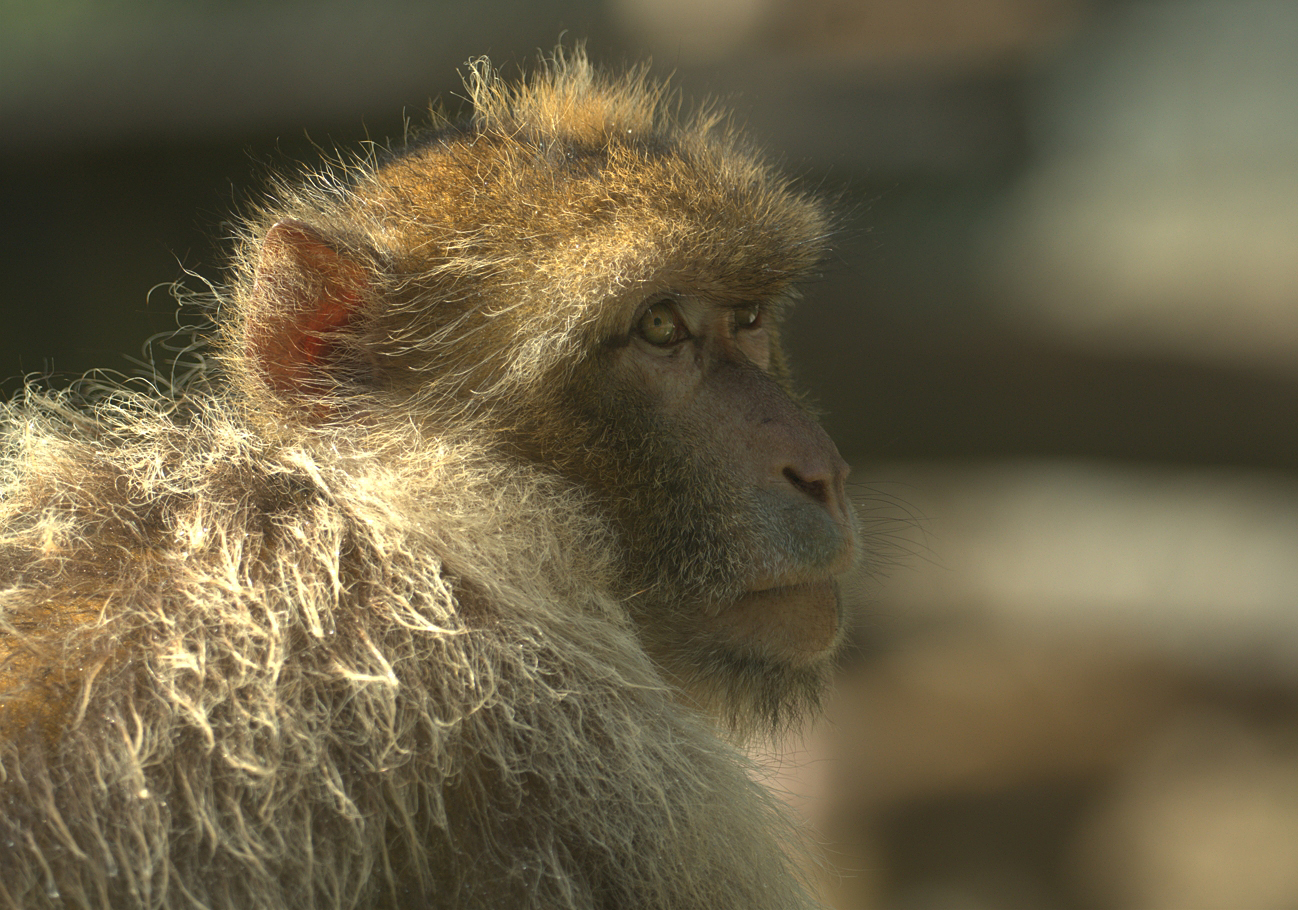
pixel 375 644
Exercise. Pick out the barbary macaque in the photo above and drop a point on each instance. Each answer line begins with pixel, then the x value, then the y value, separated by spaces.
pixel 460 579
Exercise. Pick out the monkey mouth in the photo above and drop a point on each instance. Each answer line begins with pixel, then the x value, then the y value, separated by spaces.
pixel 798 622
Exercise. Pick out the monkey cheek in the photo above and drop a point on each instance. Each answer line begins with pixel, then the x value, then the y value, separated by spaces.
pixel 797 623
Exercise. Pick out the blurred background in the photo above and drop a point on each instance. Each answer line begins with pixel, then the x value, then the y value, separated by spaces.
pixel 1058 340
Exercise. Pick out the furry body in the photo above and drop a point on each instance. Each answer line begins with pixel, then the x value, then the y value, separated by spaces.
pixel 253 654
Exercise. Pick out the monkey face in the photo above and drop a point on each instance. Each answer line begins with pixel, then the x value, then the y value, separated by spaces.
pixel 729 497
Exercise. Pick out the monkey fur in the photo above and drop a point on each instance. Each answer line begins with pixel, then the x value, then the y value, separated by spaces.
pixel 398 609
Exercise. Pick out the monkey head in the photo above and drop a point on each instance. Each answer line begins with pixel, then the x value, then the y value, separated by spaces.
pixel 589 282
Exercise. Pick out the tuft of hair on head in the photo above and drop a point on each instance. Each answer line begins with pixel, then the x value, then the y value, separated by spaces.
pixel 453 271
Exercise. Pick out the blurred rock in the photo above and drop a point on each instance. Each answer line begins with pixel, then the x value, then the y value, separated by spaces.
pixel 1163 213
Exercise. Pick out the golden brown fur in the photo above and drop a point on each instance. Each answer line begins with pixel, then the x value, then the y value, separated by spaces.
pixel 374 619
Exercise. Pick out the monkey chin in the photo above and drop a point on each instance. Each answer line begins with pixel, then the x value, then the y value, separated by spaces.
pixel 763 661
pixel 797 623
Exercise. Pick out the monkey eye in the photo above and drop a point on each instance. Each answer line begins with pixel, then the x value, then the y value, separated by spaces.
pixel 748 317
pixel 661 325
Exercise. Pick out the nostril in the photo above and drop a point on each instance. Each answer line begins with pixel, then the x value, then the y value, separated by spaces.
pixel 816 489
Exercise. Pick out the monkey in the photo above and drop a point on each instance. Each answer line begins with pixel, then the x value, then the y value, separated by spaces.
pixel 462 576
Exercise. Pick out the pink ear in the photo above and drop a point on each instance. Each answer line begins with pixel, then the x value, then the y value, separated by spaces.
pixel 304 292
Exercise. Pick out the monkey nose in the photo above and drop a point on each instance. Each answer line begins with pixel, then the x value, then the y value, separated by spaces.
pixel 821 475
pixel 815 487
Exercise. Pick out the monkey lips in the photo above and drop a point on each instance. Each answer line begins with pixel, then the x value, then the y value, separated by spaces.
pixel 801 622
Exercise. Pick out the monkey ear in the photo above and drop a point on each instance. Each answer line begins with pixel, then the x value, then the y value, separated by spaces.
pixel 304 293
